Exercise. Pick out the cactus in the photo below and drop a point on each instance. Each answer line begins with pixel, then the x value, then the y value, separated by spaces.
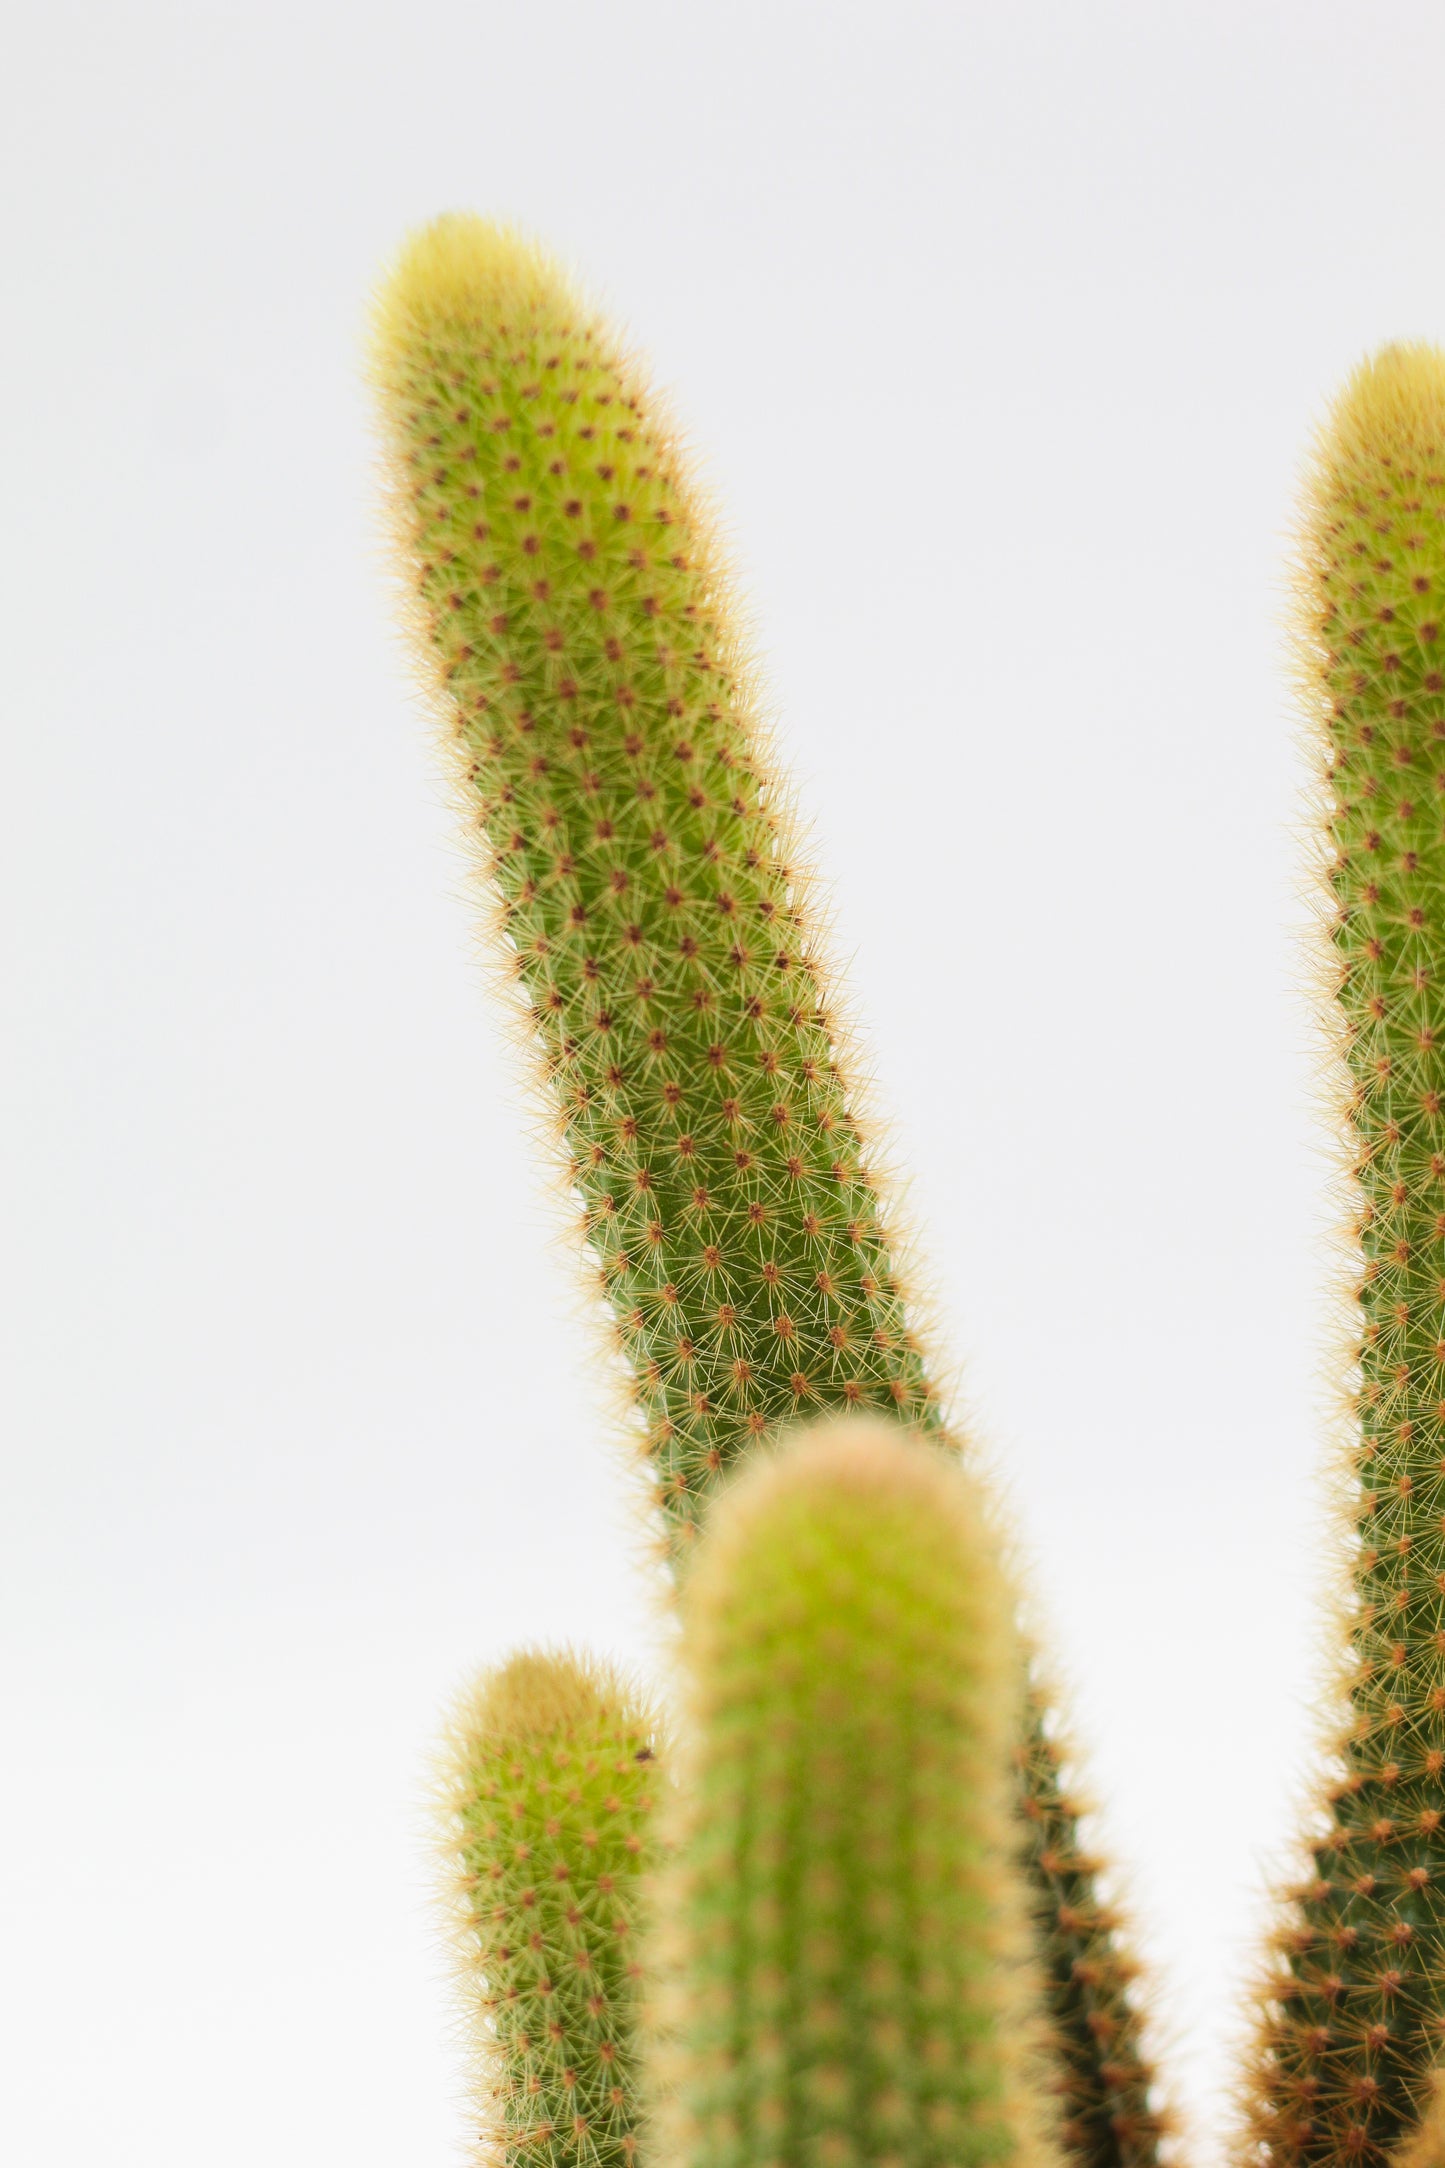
pixel 1425 2146
pixel 549 1784
pixel 571 605
pixel 1104 2082
pixel 572 596
pixel 845 1914
pixel 1355 2014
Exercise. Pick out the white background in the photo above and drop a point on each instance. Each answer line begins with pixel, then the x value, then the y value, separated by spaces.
pixel 1003 329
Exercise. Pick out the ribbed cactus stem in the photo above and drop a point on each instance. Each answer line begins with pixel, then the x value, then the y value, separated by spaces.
pixel 572 609
pixel 846 1918
pixel 550 1783
pixel 1357 2010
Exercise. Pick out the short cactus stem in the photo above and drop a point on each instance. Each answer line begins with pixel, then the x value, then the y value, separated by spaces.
pixel 845 1916
pixel 550 1784
pixel 1356 2010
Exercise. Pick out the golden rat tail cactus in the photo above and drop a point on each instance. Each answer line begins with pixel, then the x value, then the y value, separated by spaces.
pixel 1356 2010
pixel 577 628
pixel 572 608
pixel 846 1910
pixel 550 1782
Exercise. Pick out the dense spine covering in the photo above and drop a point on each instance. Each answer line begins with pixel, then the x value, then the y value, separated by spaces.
pixel 573 600
pixel 550 1784
pixel 1356 2009
pixel 845 1917
pixel 571 604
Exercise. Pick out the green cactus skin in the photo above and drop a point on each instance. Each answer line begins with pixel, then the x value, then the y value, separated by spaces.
pixel 1356 2007
pixel 845 1912
pixel 572 597
pixel 1105 2084
pixel 570 606
pixel 551 1779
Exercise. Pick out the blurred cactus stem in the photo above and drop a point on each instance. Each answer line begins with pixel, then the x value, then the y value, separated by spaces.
pixel 550 1782
pixel 846 1924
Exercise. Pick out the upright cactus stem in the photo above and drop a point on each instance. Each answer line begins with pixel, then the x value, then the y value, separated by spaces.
pixel 573 611
pixel 550 1783
pixel 1356 2015
pixel 574 604
pixel 845 1914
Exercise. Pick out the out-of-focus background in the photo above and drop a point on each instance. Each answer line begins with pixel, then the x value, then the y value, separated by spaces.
pixel 1003 331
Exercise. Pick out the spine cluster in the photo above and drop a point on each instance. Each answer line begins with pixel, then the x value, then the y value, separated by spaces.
pixel 1357 2009
pixel 551 1781
pixel 848 1935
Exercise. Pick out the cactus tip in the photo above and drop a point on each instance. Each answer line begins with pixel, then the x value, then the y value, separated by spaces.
pixel 539 1693
pixel 458 270
pixel 1393 402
